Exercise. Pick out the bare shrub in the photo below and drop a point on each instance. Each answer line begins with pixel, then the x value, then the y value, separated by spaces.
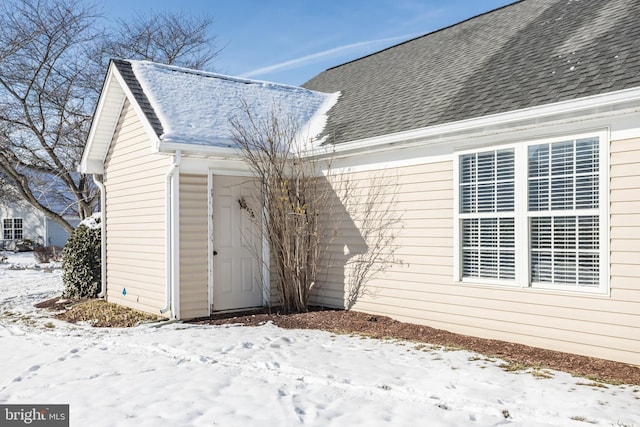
pixel 302 211
pixel 291 200
pixel 47 254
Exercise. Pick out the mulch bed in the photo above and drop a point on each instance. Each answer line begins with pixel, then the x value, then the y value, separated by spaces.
pixel 58 303
pixel 96 312
pixel 375 326
pixel 517 356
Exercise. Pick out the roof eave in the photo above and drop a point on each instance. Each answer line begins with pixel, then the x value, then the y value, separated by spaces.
pixel 89 162
pixel 105 121
pixel 609 104
pixel 199 150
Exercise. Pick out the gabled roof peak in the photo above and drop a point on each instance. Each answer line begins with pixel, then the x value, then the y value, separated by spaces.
pixel 195 108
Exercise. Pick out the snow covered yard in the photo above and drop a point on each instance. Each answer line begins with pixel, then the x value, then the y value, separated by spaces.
pixel 190 375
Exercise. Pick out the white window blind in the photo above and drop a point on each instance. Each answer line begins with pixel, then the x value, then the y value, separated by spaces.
pixel 487 194
pixel 531 215
pixel 564 176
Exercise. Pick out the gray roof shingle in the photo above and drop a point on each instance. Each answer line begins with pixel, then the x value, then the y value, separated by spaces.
pixel 529 53
pixel 126 71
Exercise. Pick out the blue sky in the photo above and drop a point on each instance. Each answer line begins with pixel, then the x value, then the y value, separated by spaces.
pixel 290 41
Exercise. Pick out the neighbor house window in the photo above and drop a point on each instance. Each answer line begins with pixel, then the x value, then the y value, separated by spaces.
pixel 532 215
pixel 12 228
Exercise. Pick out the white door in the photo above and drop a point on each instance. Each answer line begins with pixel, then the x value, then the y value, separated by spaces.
pixel 237 243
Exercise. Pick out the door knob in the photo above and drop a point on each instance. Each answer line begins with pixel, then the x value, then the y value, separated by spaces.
pixel 215 253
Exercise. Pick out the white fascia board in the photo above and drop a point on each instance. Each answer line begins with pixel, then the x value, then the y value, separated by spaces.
pixel 89 162
pixel 91 166
pixel 202 165
pixel 609 104
pixel 207 151
pixel 95 151
pixel 204 158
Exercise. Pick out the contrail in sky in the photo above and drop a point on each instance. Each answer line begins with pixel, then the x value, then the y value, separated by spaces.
pixel 325 53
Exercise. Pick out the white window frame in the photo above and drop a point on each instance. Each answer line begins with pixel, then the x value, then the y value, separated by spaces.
pixel 522 216
pixel 13 228
pixel 482 215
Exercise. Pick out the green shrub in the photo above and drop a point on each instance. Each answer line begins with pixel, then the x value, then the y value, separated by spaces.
pixel 81 262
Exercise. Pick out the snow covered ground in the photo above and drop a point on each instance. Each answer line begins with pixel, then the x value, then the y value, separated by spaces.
pixel 187 375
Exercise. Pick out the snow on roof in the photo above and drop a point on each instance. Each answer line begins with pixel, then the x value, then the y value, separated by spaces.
pixel 196 107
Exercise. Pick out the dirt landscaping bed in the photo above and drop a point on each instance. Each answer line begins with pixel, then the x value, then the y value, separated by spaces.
pixel 97 313
pixel 517 356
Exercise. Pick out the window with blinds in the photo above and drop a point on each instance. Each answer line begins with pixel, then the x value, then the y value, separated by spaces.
pixel 487 195
pixel 531 215
pixel 563 177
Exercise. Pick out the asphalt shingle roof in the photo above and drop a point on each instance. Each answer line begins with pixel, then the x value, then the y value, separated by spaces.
pixel 526 54
pixel 126 71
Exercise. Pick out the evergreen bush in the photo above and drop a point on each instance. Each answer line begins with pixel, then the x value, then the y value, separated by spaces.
pixel 81 261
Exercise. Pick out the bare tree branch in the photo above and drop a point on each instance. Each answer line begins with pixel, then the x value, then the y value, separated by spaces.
pixel 47 38
pixel 175 39
pixel 306 212
pixel 8 192
pixel 53 56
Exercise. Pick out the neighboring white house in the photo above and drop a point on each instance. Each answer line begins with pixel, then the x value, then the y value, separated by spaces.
pixel 513 143
pixel 19 220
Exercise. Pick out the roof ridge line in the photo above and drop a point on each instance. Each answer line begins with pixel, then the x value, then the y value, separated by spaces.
pixel 212 74
pixel 425 35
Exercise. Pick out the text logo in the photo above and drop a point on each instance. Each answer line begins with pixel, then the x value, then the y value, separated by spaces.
pixel 34 415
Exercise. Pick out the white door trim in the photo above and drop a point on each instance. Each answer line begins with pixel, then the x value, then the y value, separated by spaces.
pixel 266 260
pixel 210 240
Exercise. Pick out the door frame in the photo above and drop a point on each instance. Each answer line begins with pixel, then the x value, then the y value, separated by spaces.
pixel 264 266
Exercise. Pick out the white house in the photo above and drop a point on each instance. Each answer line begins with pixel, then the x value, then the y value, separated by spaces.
pixel 513 141
pixel 19 220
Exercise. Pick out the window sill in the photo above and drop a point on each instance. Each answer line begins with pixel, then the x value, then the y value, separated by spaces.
pixel 537 288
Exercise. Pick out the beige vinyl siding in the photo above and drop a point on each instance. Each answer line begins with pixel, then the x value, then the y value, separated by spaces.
pixel 625 231
pixel 194 246
pixel 135 217
pixel 416 201
pixel 275 297
pixel 419 288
